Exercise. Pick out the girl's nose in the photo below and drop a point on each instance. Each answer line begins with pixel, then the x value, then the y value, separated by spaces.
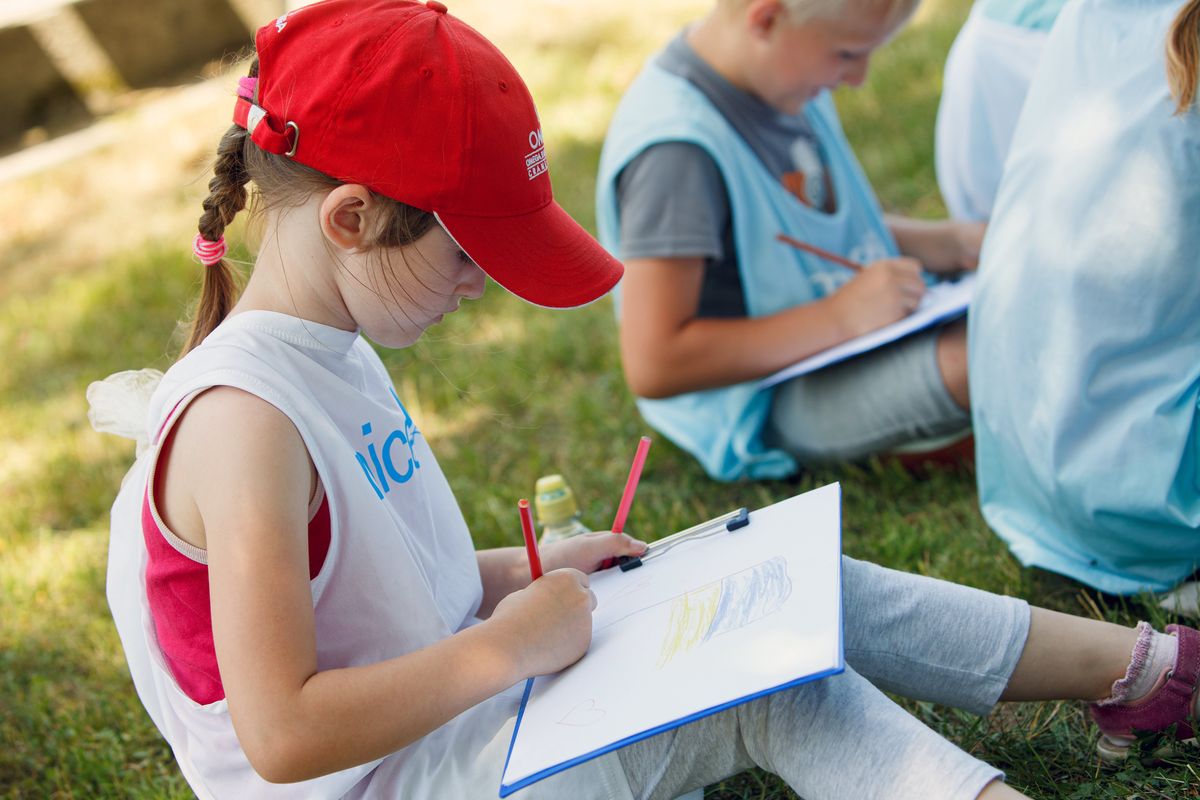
pixel 473 283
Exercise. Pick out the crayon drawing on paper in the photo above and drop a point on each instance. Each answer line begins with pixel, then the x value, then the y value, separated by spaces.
pixel 725 605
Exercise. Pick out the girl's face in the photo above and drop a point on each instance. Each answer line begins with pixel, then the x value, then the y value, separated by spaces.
pixel 400 292
pixel 821 53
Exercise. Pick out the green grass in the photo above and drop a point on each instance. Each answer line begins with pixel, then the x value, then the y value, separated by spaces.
pixel 503 391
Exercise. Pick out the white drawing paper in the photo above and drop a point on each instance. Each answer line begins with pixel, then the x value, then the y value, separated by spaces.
pixel 709 624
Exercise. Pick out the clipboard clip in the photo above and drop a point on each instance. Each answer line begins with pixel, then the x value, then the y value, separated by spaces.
pixel 726 522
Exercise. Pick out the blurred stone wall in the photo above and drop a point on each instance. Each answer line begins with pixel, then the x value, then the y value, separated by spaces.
pixel 64 63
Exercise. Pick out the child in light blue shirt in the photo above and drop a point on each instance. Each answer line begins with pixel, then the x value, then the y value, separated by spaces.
pixel 987 75
pixel 1085 329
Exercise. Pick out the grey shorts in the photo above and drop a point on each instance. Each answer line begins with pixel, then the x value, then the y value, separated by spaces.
pixel 872 403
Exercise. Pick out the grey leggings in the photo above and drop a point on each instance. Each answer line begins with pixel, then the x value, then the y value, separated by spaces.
pixel 873 403
pixel 841 737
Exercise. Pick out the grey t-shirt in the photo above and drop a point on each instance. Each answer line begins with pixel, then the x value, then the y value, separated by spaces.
pixel 672 199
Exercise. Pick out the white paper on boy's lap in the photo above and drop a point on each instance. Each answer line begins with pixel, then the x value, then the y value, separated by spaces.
pixel 941 303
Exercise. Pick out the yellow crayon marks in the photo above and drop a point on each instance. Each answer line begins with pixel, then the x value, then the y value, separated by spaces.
pixel 692 615
pixel 716 608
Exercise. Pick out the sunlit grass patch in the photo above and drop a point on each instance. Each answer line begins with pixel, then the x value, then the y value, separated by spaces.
pixel 95 278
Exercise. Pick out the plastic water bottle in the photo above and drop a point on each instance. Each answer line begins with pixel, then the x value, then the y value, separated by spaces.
pixel 557 511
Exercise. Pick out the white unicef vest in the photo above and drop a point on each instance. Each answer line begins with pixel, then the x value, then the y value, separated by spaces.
pixel 400 573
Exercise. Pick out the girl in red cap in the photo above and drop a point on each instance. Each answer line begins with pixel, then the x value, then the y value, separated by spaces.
pixel 300 602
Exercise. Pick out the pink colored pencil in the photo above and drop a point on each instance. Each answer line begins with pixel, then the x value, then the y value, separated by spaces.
pixel 635 473
pixel 817 251
pixel 531 548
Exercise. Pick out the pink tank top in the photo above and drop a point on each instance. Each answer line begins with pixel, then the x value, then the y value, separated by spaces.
pixel 177 592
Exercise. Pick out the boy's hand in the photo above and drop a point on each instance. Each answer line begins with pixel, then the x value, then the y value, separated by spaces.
pixel 548 624
pixel 588 551
pixel 942 245
pixel 968 239
pixel 886 291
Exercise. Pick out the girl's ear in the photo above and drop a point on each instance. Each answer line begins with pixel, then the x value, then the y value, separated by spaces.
pixel 347 217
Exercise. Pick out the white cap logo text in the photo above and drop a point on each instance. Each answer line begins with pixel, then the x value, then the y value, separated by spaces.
pixel 535 161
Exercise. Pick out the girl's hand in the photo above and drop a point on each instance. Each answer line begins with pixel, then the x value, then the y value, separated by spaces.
pixel 588 551
pixel 886 291
pixel 548 624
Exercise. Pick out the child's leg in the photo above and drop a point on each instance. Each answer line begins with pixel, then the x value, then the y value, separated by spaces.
pixel 933 640
pixel 873 403
pixel 998 790
pixel 928 639
pixel 1070 658
pixel 839 737
pixel 952 361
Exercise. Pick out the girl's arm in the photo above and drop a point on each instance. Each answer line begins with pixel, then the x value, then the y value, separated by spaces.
pixel 941 245
pixel 505 570
pixel 667 350
pixel 249 476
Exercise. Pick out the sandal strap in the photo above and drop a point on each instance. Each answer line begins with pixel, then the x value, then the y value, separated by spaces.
pixel 1182 680
pixel 1170 704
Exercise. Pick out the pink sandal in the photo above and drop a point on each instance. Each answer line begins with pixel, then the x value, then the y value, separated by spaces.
pixel 1165 711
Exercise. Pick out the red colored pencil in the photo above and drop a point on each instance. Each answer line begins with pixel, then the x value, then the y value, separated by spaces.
pixel 531 548
pixel 635 473
pixel 817 251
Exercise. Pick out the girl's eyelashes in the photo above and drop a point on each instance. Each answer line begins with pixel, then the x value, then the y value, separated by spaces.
pixel 464 258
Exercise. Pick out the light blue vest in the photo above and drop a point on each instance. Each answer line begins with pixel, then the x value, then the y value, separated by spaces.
pixel 1033 15
pixel 1085 327
pixel 723 427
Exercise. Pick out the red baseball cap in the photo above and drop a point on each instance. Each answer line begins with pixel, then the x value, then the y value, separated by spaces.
pixel 414 104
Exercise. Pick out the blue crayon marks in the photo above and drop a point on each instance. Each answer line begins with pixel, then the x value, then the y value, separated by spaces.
pixel 726 605
pixel 392 460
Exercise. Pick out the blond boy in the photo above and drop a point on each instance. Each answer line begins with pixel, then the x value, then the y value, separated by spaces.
pixel 728 138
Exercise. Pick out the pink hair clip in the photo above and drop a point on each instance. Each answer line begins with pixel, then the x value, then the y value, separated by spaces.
pixel 206 252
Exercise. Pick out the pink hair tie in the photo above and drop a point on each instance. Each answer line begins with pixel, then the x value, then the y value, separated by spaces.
pixel 206 252
pixel 247 87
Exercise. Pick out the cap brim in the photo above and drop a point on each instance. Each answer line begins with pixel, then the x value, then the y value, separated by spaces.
pixel 544 257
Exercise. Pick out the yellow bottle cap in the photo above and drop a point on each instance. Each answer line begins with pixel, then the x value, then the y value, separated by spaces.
pixel 554 500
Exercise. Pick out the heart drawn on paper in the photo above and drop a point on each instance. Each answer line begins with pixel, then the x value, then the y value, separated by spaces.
pixel 584 714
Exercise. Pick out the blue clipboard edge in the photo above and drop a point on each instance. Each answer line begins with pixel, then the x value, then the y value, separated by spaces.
pixel 506 790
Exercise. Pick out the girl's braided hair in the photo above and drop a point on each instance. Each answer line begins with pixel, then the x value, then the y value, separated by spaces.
pixel 278 181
